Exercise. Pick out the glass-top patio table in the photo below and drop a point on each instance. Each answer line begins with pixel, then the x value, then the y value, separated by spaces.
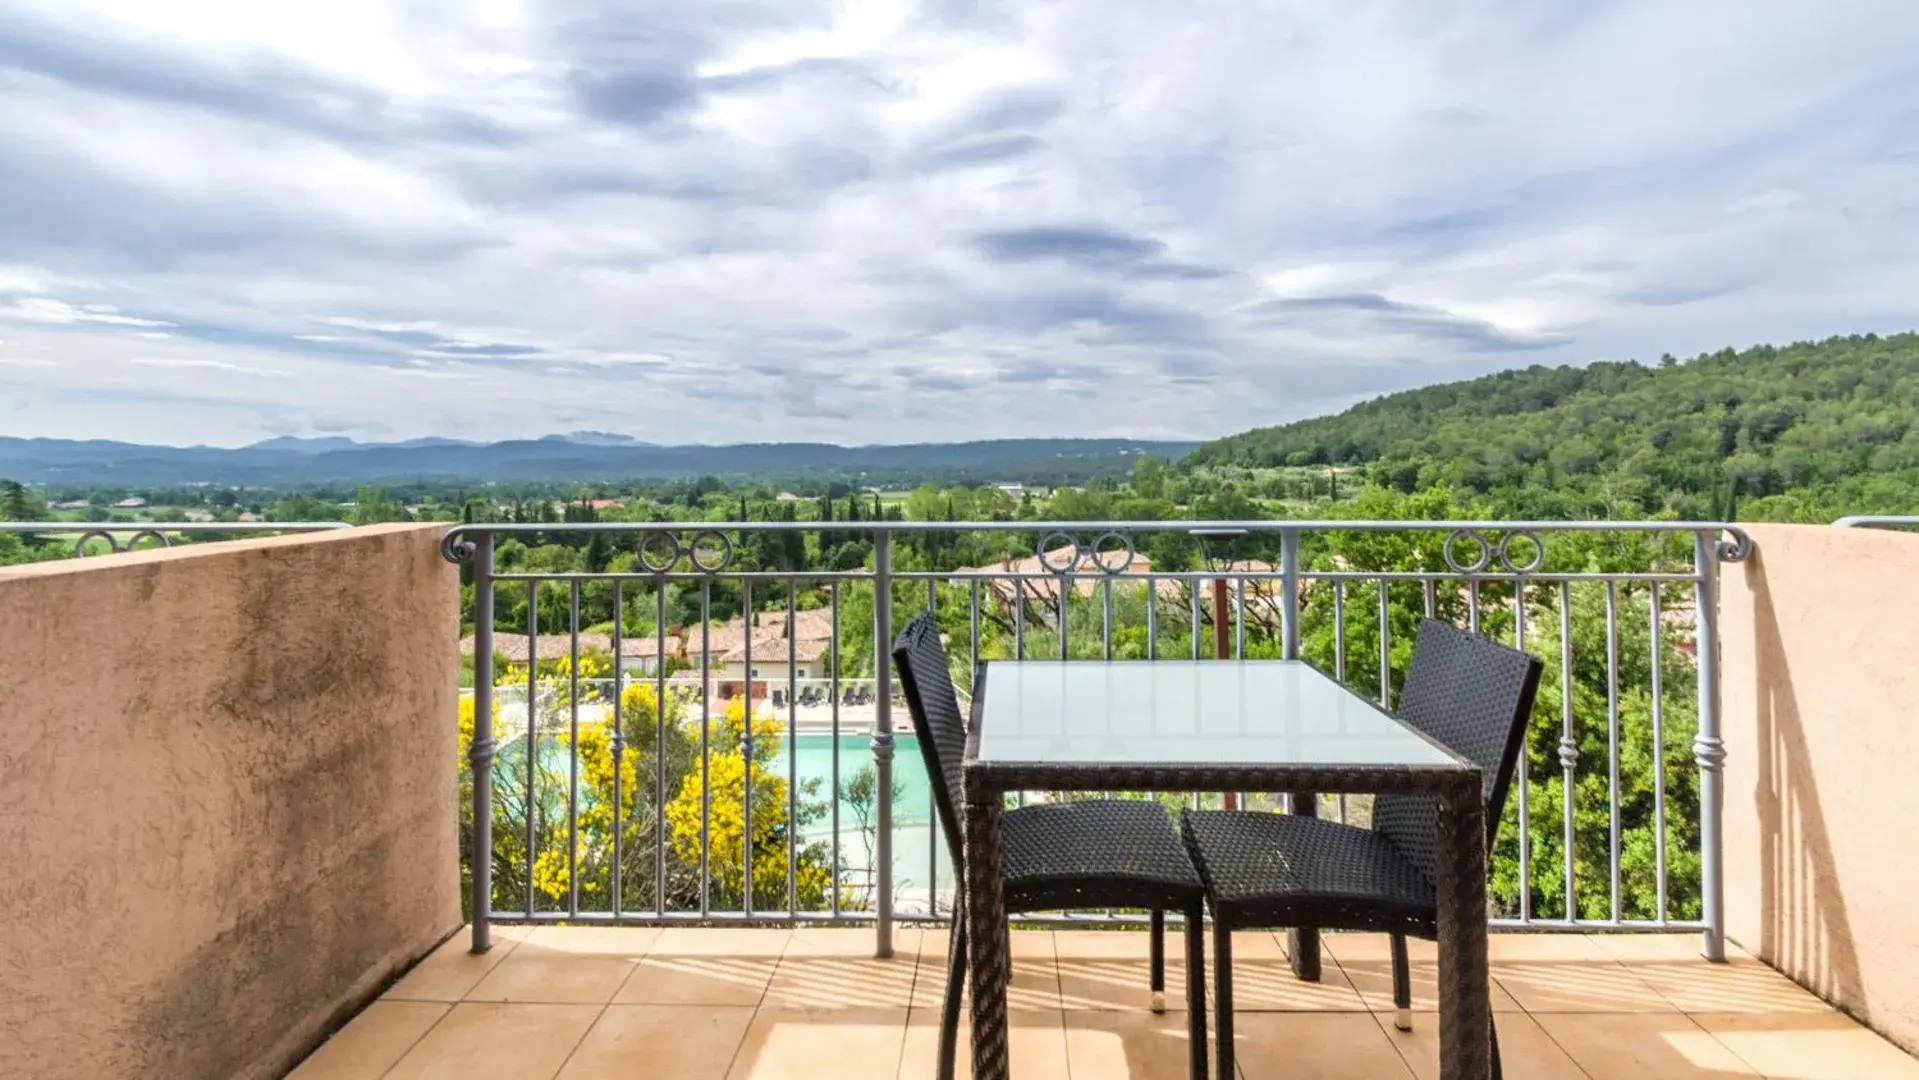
pixel 1279 726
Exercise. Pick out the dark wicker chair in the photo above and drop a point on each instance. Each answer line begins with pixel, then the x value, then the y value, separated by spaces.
pixel 1098 853
pixel 1271 870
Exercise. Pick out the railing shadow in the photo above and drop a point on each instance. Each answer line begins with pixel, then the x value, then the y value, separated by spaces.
pixel 1803 923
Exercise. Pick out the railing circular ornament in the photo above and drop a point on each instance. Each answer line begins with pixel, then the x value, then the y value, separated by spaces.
pixel 659 552
pixel 1102 550
pixel 1060 540
pixel 147 534
pixel 457 547
pixel 80 545
pixel 1484 547
pixel 711 551
pixel 1734 545
pixel 1505 552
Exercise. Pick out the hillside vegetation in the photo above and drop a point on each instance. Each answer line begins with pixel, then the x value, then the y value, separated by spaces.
pixel 1807 432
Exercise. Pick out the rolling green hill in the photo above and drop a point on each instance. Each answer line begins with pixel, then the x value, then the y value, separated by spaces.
pixel 1807 432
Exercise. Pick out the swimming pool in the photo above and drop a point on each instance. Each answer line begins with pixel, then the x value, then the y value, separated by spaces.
pixel 919 848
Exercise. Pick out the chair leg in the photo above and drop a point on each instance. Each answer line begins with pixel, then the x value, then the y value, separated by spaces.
pixel 1223 994
pixel 1159 960
pixel 1402 985
pixel 950 1007
pixel 1196 990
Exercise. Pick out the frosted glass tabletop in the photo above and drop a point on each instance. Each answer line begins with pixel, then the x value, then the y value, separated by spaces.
pixel 1278 712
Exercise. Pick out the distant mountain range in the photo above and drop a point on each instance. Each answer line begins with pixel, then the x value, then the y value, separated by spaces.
pixel 585 455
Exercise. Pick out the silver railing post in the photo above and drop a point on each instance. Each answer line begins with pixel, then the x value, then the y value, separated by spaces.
pixel 1709 750
pixel 883 741
pixel 480 755
pixel 1289 588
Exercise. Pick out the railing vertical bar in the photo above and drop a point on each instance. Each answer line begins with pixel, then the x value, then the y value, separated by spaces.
pixel 1339 629
pixel 1658 751
pixel 1065 586
pixel 1107 617
pixel 932 808
pixel 1429 590
pixel 1568 741
pixel 706 744
pixel 573 758
pixel 1385 647
pixel 1525 769
pixel 1152 617
pixel 1612 741
pixel 793 749
pixel 1709 750
pixel 617 740
pixel 480 750
pixel 1239 618
pixel 1289 603
pixel 1019 619
pixel 973 614
pixel 883 738
pixel 746 746
pixel 1472 604
pixel 532 725
pixel 833 693
pixel 1192 587
pixel 1339 660
pixel 659 749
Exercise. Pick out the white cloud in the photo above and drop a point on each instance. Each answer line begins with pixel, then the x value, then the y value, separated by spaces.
pixel 208 365
pixel 905 220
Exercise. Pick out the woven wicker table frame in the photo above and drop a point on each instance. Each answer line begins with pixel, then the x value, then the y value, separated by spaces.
pixel 1465 1011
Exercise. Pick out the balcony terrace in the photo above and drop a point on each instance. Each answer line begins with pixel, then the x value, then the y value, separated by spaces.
pixel 236 774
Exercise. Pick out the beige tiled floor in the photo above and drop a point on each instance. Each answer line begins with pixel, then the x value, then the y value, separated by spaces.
pixel 699 1004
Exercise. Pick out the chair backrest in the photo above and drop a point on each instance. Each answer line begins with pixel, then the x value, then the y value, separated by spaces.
pixel 927 683
pixel 1473 696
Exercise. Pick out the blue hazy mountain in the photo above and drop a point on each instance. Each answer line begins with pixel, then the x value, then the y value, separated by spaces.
pixel 288 461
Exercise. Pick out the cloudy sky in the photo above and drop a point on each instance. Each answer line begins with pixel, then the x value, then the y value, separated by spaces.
pixel 905 220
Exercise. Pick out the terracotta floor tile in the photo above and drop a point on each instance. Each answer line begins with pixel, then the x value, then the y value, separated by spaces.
pixel 1035 971
pixel 451 970
pixel 681 1042
pixel 841 982
pixel 1525 1050
pixel 538 975
pixel 1037 1041
pixel 1589 986
pixel 368 1046
pixel 1541 947
pixel 1125 1045
pixel 1314 1046
pixel 721 941
pixel 1740 985
pixel 632 942
pixel 1631 948
pixel 1088 983
pixel 1643 1047
pixel 854 941
pixel 482 1041
pixel 1374 982
pixel 1111 944
pixel 1809 1046
pixel 1263 979
pixel 675 979
pixel 784 1044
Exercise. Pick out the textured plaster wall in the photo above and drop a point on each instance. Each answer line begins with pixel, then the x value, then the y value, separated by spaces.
pixel 1820 647
pixel 227 788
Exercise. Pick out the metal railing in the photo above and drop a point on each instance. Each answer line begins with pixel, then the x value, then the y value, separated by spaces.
pixel 122 536
pixel 1878 521
pixel 622 802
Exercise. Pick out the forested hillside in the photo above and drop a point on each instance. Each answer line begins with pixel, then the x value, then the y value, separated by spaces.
pixel 1803 432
